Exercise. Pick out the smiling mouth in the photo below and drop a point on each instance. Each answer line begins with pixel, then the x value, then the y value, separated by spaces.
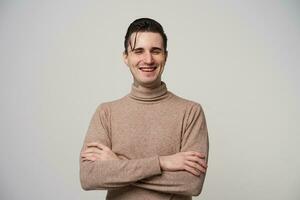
pixel 147 69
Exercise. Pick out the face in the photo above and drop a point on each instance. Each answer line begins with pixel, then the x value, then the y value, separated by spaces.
pixel 147 60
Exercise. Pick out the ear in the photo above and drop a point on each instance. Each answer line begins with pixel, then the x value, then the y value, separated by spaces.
pixel 125 57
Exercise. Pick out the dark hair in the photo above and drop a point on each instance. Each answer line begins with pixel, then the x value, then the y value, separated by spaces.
pixel 144 25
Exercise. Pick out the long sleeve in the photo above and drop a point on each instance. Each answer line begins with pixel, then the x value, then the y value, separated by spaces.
pixel 195 138
pixel 111 173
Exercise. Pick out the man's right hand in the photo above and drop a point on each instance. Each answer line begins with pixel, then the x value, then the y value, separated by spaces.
pixel 97 151
pixel 191 161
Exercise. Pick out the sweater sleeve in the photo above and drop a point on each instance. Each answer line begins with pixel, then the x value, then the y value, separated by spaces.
pixel 111 173
pixel 195 138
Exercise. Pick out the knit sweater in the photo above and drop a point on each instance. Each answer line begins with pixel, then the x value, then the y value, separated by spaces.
pixel 140 127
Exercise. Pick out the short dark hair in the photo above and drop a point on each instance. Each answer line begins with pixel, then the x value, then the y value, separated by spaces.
pixel 144 25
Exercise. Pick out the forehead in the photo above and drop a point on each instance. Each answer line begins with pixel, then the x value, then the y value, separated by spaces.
pixel 146 40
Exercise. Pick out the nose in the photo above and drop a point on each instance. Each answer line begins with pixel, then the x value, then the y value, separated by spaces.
pixel 148 58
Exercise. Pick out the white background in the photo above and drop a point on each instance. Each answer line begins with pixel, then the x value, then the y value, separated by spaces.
pixel 239 59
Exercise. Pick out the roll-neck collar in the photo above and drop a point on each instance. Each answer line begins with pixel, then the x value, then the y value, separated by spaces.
pixel 149 94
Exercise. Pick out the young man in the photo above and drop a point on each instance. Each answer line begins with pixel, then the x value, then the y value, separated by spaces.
pixel 150 144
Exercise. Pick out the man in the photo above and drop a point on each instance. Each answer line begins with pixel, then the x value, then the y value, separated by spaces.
pixel 150 144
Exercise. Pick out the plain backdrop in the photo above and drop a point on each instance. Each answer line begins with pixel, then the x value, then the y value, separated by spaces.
pixel 240 59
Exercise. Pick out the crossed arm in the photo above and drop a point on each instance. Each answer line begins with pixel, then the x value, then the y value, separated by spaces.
pixel 174 170
pixel 180 173
pixel 191 161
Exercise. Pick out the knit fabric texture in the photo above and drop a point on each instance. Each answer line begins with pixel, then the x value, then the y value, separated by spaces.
pixel 140 127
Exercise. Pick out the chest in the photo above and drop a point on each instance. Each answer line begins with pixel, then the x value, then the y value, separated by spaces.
pixel 138 133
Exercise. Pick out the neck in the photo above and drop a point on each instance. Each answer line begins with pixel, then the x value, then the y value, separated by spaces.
pixel 149 93
pixel 147 86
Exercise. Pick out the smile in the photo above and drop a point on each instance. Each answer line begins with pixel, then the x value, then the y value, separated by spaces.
pixel 147 69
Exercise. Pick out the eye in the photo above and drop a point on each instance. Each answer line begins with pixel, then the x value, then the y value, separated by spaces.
pixel 156 51
pixel 138 51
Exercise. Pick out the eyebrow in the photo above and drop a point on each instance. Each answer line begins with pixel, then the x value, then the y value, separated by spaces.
pixel 153 48
pixel 137 49
pixel 156 48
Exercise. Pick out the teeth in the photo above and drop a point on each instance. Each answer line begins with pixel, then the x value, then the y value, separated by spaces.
pixel 147 69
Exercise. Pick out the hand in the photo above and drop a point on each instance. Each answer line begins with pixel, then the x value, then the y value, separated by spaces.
pixel 96 151
pixel 191 161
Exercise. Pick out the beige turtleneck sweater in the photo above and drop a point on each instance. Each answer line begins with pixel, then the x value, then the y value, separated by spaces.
pixel 139 128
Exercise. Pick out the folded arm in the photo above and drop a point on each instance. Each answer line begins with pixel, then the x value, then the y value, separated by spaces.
pixel 98 172
pixel 182 173
pixel 116 173
pixel 195 138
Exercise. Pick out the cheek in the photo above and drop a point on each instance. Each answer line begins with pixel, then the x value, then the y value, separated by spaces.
pixel 134 61
pixel 162 62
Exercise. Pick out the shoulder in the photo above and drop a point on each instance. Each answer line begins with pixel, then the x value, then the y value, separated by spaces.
pixel 108 105
pixel 189 105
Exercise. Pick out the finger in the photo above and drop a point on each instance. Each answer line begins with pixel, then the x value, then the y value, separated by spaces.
pixel 91 158
pixel 192 170
pixel 203 163
pixel 198 160
pixel 93 144
pixel 98 145
pixel 92 150
pixel 196 166
pixel 86 155
pixel 199 154
pixel 103 147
